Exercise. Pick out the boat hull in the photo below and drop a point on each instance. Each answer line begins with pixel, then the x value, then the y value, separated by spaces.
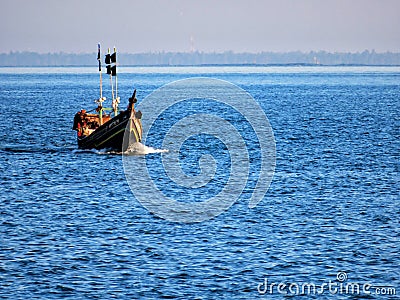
pixel 110 135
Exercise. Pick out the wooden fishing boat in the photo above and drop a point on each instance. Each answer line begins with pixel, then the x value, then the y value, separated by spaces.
pixel 105 128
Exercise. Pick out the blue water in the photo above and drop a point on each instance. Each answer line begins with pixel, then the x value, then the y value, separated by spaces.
pixel 70 226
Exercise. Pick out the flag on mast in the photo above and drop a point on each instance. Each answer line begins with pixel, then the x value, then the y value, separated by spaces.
pixel 98 56
pixel 114 56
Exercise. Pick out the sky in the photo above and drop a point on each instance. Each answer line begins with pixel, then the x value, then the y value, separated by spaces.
pixel 136 26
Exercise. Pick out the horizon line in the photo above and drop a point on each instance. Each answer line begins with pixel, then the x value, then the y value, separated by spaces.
pixel 204 52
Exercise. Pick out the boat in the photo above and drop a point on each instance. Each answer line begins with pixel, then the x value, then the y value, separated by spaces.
pixel 103 127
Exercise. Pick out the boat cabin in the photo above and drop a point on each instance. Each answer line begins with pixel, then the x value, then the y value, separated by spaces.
pixel 85 123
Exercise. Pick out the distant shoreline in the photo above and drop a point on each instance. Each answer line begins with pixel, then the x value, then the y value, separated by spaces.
pixel 204 65
pixel 228 58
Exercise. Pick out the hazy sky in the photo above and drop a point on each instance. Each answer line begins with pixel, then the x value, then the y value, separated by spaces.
pixel 175 25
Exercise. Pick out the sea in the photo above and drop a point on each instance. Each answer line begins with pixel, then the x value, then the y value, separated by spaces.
pixel 74 223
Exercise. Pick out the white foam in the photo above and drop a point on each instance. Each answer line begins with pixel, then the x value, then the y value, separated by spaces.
pixel 140 149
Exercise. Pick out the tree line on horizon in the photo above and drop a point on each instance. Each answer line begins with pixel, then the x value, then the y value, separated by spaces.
pixel 19 59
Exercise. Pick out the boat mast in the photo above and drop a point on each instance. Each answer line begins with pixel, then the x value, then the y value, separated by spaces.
pixel 111 61
pixel 109 71
pixel 116 100
pixel 101 80
pixel 114 60
pixel 101 99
